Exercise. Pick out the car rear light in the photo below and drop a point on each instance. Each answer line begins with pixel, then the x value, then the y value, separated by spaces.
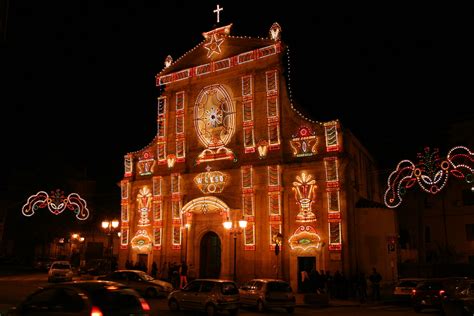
pixel 413 292
pixel 144 304
pixel 441 292
pixel 96 311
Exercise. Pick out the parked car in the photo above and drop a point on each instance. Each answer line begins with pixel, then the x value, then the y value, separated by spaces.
pixel 268 293
pixel 208 295
pixel 83 298
pixel 143 283
pixel 60 271
pixel 432 292
pixel 461 303
pixel 404 288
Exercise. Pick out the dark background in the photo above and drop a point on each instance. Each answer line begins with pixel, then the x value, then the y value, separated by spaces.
pixel 78 88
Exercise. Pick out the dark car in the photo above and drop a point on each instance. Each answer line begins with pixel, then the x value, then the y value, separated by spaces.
pixel 429 294
pixel 268 293
pixel 461 303
pixel 208 295
pixel 83 298
pixel 140 281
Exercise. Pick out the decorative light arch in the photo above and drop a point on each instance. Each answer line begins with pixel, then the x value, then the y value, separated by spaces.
pixel 205 205
pixel 56 203
pixel 431 173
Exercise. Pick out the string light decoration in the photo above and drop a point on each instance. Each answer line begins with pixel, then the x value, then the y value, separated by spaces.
pixel 180 135
pixel 213 45
pixel 304 188
pixel 305 238
pixel 141 240
pixel 124 228
pixel 273 115
pixel 145 164
pixel 56 203
pixel 334 214
pixel 275 32
pixel 332 141
pixel 247 114
pixel 211 181
pixel 206 205
pixel 162 109
pixel 128 165
pixel 157 212
pixel 304 142
pixel 168 61
pixel 431 173
pixel 206 69
pixel 214 117
pixel 274 201
pixel 144 199
pixel 248 209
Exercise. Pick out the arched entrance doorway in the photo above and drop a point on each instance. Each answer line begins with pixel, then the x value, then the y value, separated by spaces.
pixel 210 256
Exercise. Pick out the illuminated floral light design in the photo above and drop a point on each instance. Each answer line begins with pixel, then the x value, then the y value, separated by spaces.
pixel 56 203
pixel 146 164
pixel 214 117
pixel 144 203
pixel 431 173
pixel 304 142
pixel 304 189
pixel 211 181
pixel 305 238
pixel 141 240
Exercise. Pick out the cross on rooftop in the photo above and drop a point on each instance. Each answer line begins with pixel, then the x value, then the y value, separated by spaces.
pixel 217 11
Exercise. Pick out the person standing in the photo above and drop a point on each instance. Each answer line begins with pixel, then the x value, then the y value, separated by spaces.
pixel 375 279
pixel 305 280
pixel 183 275
pixel 154 269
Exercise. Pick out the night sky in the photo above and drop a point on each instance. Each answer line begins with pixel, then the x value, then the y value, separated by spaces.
pixel 78 88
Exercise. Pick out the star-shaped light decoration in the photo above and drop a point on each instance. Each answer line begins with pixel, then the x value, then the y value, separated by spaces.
pixel 213 46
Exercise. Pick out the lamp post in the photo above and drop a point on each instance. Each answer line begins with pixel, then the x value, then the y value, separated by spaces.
pixel 77 245
pixel 235 230
pixel 278 240
pixel 110 227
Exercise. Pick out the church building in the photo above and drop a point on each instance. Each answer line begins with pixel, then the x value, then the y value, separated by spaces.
pixel 239 184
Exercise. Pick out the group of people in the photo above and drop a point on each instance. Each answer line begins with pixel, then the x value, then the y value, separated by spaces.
pixel 338 286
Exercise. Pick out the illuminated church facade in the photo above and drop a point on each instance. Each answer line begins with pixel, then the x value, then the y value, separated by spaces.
pixel 231 146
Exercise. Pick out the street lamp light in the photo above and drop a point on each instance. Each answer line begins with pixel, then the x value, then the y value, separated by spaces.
pixel 110 227
pixel 77 246
pixel 235 230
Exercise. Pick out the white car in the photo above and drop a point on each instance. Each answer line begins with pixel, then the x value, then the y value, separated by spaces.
pixel 60 271
pixel 404 288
